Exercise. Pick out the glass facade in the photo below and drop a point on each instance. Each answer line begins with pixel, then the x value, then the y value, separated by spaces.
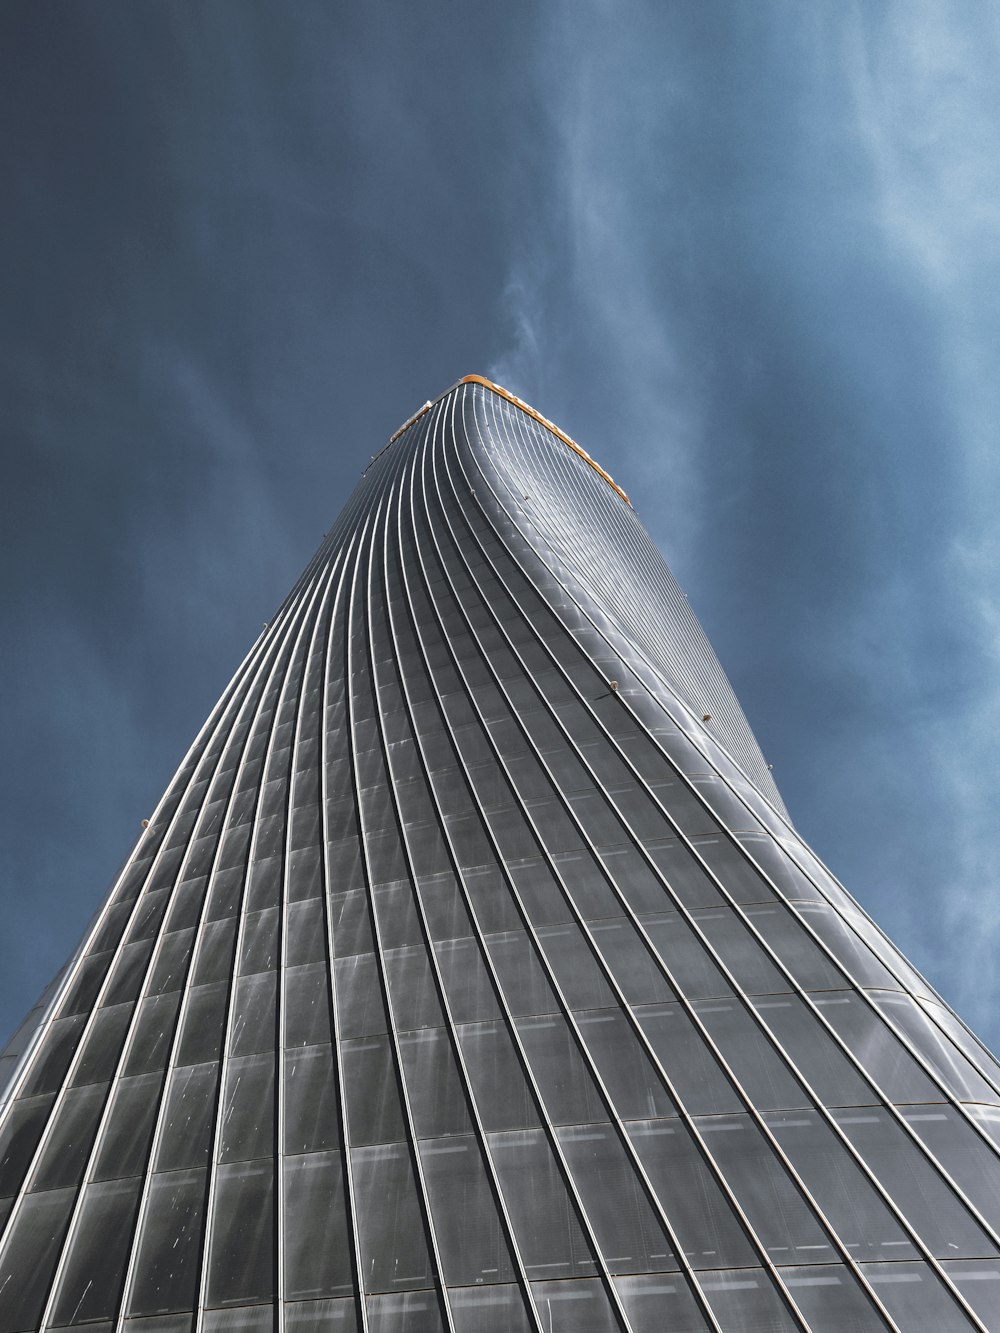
pixel 470 978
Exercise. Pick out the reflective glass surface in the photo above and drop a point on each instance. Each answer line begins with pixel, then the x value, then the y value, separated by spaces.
pixel 467 977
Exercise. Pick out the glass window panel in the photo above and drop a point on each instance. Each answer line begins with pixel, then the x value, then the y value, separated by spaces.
pixel 831 1300
pixel 575 967
pixel 783 873
pixel 916 1297
pixel 306 873
pixel 374 1110
pixel 814 1052
pixel 170 965
pixel 412 988
pixel 520 973
pixel 489 1308
pixel 91 1285
pixel 689 1062
pixel 350 919
pixel 128 1133
pixel 225 892
pixel 359 996
pixel 127 974
pixel 310 1113
pixel 640 885
pixel 240 1319
pixel 253 1019
pixel 588 886
pixel 503 1098
pixel 470 841
pixel 877 1049
pixel 241 1252
pixel 726 861
pixel 102 1045
pixel 70 1137
pixel 801 955
pixel 546 1226
pixel 188 1116
pixel 979 1282
pixel 634 966
pixel 405 1312
pixel 492 900
pixel 434 1083
pixel 52 1059
pixel 566 1085
pixel 83 992
pixel 603 826
pixel 332 1316
pixel 751 1055
pixel 656 1304
pixel 307 1005
pixel 202 1024
pixel 971 1047
pixel 969 1160
pixel 580 1306
pixel 186 905
pixel 317 1234
pixel 444 907
pixel 839 1187
pixel 685 809
pixel 747 1300
pixel 466 1222
pixel 513 834
pixel 259 947
pixel 263 889
pixel 628 1231
pixel 150 911
pixel 398 919
pixel 215 951
pixel 775 1208
pixel 111 929
pixel 152 1033
pixel 986 1117
pixel 394 1248
pixel 920 1193
pixel 958 1075
pixel 850 951
pixel 19 1138
pixel 247 1128
pixel 881 947
pixel 387 857
pixel 467 981
pixel 540 892
pixel 166 1266
pixel 702 1216
pixel 685 956
pixel 629 1075
pixel 30 1255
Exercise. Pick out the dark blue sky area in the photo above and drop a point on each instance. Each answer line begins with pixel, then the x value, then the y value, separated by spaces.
pixel 747 254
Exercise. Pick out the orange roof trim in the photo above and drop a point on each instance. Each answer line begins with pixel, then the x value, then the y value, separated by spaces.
pixel 526 408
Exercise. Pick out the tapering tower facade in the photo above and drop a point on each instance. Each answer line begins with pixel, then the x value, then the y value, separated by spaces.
pixel 470 978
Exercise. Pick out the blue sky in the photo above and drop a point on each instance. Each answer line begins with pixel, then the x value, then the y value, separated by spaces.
pixel 748 254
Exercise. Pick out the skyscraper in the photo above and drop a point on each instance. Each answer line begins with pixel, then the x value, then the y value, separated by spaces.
pixel 470 976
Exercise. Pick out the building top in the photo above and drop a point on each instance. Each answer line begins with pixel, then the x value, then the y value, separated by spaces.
pixel 525 407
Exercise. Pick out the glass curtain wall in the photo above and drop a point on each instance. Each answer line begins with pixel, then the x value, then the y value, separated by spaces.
pixel 470 978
